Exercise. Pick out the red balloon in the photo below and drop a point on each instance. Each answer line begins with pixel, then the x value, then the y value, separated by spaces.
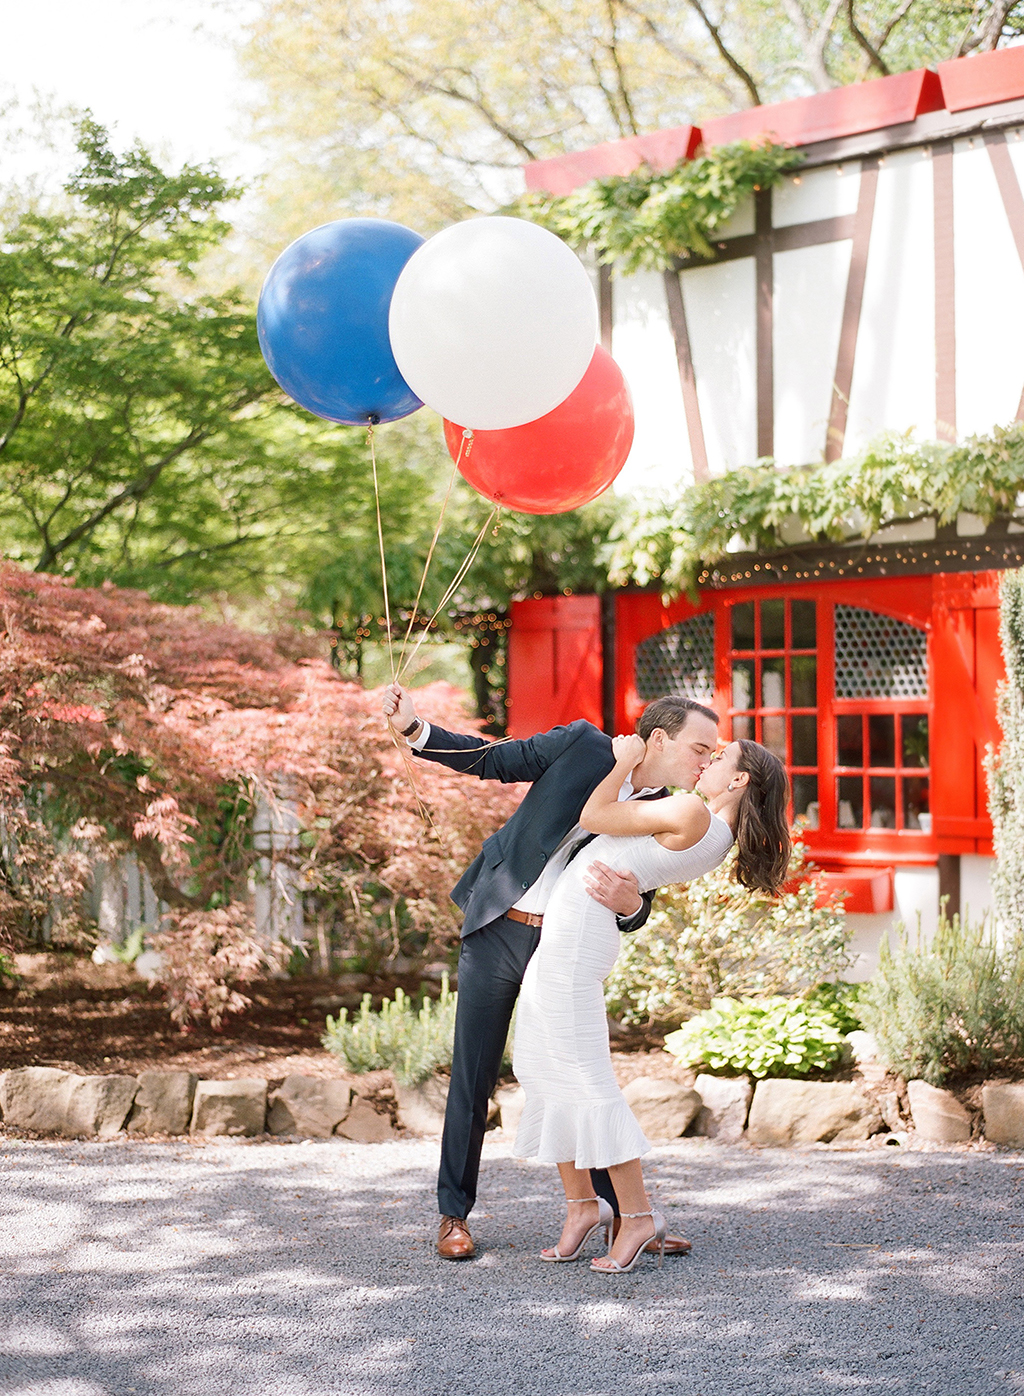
pixel 561 460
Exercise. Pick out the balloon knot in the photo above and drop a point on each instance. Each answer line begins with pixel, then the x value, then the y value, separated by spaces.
pixel 374 419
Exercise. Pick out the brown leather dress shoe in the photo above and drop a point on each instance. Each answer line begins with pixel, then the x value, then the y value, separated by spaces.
pixel 454 1241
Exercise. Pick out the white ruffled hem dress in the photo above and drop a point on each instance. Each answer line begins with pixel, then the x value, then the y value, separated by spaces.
pixel 574 1109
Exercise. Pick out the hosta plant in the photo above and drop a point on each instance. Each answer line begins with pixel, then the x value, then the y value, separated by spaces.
pixel 768 1037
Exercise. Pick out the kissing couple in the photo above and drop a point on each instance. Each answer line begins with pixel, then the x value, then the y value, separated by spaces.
pixel 544 904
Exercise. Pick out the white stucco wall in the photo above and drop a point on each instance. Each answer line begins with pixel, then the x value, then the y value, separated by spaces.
pixel 719 304
pixel 812 194
pixel 644 349
pixel 975 885
pixel 893 387
pixel 810 289
pixel 989 296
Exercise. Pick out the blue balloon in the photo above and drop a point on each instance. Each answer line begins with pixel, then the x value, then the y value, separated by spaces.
pixel 323 320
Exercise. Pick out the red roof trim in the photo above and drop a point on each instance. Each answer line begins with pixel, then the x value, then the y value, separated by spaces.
pixel 661 150
pixel 844 111
pixel 982 79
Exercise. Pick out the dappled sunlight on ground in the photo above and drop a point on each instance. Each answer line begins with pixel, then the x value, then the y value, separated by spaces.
pixel 286 1269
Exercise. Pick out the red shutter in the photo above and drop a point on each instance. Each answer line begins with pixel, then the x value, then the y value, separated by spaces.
pixel 554 663
pixel 967 666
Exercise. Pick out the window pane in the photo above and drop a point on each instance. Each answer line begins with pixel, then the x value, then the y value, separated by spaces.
pixel 849 741
pixel 883 802
pixel 805 801
pixel 803 624
pixel 773 683
pixel 743 683
pixel 851 801
pixel 882 740
pixel 743 626
pixel 916 813
pixel 773 735
pixel 804 740
pixel 803 678
pixel 878 657
pixel 773 625
pixel 743 729
pixel 914 731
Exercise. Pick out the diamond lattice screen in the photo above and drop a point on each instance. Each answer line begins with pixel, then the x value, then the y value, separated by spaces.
pixel 878 657
pixel 679 660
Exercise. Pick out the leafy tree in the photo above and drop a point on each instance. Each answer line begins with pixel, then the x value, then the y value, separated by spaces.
pixel 424 118
pixel 130 725
pixel 141 437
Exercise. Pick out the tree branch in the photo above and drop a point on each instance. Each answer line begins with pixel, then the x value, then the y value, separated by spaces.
pixel 613 49
pixel 136 490
pixel 875 59
pixel 719 43
pixel 437 86
pixel 814 42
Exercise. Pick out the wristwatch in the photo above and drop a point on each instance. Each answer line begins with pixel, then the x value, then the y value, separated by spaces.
pixel 408 731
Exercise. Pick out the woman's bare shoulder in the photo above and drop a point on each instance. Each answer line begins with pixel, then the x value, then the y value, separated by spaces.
pixel 689 818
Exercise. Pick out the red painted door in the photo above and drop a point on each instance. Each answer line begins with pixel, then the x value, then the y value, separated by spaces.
pixel 554 663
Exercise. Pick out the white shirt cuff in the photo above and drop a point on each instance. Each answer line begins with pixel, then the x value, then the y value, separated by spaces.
pixel 420 740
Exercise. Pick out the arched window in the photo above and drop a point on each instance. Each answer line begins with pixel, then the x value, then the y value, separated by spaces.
pixel 840 693
pixel 679 660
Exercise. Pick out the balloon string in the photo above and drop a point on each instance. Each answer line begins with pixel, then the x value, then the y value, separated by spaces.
pixel 380 544
pixel 430 554
pixel 466 564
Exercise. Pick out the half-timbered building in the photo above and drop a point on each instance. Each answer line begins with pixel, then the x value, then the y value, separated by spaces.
pixel 879 288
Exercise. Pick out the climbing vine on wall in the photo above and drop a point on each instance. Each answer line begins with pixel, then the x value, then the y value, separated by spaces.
pixel 765 507
pixel 649 221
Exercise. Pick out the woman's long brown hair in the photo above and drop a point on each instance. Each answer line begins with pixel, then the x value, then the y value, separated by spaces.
pixel 762 829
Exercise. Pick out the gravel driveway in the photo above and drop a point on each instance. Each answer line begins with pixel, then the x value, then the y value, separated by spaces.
pixel 288 1269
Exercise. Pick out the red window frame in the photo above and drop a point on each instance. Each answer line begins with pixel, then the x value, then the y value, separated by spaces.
pixel 909 599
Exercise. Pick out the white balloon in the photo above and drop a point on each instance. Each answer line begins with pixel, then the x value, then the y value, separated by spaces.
pixel 493 322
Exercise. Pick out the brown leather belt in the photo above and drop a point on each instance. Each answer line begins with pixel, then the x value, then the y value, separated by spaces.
pixel 528 918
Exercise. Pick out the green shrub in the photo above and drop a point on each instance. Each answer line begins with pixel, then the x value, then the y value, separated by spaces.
pixel 954 1005
pixel 413 1042
pixel 842 1000
pixel 771 1037
pixel 715 939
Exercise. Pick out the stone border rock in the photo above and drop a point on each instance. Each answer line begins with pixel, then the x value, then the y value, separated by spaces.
pixel 48 1101
pixel 782 1112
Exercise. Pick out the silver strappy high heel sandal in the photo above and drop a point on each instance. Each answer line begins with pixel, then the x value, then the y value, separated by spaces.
pixel 614 1268
pixel 605 1218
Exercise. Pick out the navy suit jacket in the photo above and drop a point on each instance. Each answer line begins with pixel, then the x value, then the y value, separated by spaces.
pixel 563 766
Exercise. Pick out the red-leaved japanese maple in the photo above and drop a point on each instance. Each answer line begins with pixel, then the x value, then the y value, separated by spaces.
pixel 127 724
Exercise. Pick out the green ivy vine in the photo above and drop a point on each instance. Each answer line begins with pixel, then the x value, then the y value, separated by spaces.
pixel 767 507
pixel 651 221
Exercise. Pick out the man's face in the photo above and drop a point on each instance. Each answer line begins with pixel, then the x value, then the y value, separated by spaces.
pixel 684 756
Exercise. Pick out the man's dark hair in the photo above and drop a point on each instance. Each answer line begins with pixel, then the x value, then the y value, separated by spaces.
pixel 670 714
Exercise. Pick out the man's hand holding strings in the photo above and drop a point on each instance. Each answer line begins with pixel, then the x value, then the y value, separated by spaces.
pixel 398 707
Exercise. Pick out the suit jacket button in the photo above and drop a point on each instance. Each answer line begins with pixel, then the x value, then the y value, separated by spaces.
pixel 525 886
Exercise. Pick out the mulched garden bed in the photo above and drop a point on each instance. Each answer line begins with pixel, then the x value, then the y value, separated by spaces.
pixel 104 1020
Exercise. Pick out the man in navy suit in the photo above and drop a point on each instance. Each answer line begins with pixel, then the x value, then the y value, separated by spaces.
pixel 504 891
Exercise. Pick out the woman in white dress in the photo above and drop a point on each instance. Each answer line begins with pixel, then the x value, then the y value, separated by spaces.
pixel 575 1115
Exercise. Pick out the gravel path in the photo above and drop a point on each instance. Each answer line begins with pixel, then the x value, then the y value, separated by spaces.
pixel 286 1269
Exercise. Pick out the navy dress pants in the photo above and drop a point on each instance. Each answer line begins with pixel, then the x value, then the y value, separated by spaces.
pixel 492 963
